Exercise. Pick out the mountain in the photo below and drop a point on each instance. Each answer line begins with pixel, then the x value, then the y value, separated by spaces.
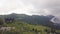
pixel 13 15
pixel 56 22
pixel 34 19
pixel 50 16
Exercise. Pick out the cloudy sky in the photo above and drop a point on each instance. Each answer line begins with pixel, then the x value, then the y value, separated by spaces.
pixel 36 7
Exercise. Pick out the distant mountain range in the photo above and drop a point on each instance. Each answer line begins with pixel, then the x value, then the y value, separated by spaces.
pixel 34 19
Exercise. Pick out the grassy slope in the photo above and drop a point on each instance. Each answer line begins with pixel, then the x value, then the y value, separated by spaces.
pixel 25 28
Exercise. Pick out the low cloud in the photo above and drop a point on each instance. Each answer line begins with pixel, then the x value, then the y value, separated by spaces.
pixel 36 7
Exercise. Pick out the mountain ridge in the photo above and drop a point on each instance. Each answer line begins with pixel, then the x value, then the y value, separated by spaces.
pixel 34 19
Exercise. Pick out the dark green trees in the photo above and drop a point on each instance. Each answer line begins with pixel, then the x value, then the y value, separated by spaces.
pixel 1 22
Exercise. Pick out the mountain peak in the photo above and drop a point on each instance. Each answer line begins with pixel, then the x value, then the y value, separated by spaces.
pixel 55 20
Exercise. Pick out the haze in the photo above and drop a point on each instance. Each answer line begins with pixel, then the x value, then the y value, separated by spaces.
pixel 30 7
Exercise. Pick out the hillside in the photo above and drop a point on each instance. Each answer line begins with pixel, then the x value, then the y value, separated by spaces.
pixel 25 28
pixel 34 19
pixel 21 27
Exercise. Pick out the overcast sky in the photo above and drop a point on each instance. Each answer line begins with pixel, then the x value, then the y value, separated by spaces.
pixel 36 7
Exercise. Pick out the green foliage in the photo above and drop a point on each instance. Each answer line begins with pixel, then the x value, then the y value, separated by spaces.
pixel 1 21
pixel 25 28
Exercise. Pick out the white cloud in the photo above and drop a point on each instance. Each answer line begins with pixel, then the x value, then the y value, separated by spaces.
pixel 40 7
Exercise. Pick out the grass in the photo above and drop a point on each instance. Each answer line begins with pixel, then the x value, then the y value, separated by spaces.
pixel 25 28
